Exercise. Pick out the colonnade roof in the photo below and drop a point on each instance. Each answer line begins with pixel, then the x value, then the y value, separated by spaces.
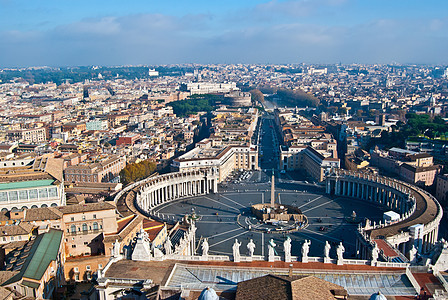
pixel 426 211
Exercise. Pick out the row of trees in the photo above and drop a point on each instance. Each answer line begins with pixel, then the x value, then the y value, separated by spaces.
pixel 416 126
pixel 194 104
pixel 79 74
pixel 297 98
pixel 137 171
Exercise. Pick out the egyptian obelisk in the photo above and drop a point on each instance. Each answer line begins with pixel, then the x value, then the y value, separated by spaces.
pixel 272 189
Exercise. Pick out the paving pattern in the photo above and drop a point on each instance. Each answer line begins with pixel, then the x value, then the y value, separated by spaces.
pixel 219 212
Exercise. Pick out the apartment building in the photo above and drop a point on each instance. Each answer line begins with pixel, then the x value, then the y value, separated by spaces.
pixel 84 226
pixel 30 135
pixel 104 171
pixel 224 158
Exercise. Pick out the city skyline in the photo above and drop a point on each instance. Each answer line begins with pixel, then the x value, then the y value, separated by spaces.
pixel 57 33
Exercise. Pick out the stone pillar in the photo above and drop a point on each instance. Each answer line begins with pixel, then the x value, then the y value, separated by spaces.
pixel 337 189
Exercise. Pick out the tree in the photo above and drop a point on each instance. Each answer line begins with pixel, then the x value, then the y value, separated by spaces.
pixel 137 171
pixel 257 96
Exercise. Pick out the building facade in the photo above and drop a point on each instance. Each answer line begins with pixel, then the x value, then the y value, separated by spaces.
pixel 104 171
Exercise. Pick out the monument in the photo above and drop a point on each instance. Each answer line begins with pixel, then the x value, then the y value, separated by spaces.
pixel 271 252
pixel 236 251
pixel 279 217
pixel 305 250
pixel 287 249
pixel 375 252
pixel 142 249
pixel 168 247
pixel 327 249
pixel 340 252
pixel 205 247
pixel 251 248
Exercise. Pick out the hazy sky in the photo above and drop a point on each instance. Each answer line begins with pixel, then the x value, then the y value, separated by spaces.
pixel 96 32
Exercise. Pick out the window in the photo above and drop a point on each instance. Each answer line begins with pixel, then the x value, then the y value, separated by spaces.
pixel 88 268
pixel 100 266
pixel 77 277
pixel 86 243
pixel 73 246
pixel 94 216
pixel 72 219
pixel 83 218
pixel 84 227
pixel 95 226
pixel 73 229
pixel 12 238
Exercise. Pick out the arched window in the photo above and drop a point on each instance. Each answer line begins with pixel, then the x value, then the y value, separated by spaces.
pixel 84 227
pixel 73 229
pixel 95 226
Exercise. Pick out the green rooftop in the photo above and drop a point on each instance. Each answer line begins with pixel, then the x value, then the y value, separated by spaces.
pixel 46 251
pixel 25 184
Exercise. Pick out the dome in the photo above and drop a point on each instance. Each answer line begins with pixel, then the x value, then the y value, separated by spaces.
pixel 378 296
pixel 208 294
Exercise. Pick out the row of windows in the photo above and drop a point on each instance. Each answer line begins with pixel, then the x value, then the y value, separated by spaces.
pixel 25 195
pixel 72 219
pixel 84 227
pixel 11 238
pixel 100 266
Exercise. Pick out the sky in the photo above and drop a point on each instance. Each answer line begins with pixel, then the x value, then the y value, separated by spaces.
pixel 153 32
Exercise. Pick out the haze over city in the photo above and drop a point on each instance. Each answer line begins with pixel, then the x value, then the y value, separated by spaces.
pixel 68 33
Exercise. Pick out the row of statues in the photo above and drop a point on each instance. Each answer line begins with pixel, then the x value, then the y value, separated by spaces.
pixel 286 249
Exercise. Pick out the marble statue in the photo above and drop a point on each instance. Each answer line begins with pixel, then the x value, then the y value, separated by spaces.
pixel 116 250
pixel 327 250
pixel 236 251
pixel 141 251
pixel 412 254
pixel 375 252
pixel 271 252
pixel 305 250
pixel 340 252
pixel 287 249
pixel 251 247
pixel 157 253
pixel 205 247
pixel 168 247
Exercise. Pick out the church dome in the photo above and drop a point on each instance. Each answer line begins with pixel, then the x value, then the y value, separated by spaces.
pixel 208 294
pixel 378 296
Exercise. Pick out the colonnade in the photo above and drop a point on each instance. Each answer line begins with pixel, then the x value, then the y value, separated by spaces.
pixel 173 186
pixel 384 192
pixel 416 209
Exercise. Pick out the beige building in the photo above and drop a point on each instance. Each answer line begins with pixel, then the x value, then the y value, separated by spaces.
pixel 422 176
pixel 31 135
pixel 104 171
pixel 15 232
pixel 353 163
pixel 84 226
pixel 442 189
pixel 316 163
pixel 318 166
pixel 127 229
pixel 84 267
pixel 224 158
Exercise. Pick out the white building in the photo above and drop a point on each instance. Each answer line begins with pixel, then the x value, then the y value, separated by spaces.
pixel 224 158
